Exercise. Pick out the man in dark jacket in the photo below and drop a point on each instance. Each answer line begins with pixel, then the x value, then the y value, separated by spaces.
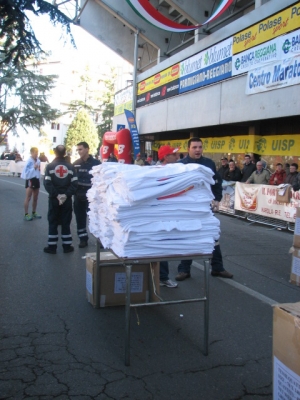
pixel 60 181
pixel 81 205
pixel 233 174
pixel 223 170
pixel 195 150
pixel 293 177
pixel 247 169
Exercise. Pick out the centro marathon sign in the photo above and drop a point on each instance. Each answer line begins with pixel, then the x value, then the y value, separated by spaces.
pixel 274 76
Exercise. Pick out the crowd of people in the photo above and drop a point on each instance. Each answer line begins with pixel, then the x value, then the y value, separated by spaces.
pixel 258 173
pixel 11 156
pixel 63 181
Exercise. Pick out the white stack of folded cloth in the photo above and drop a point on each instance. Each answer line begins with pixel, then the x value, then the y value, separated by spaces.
pixel 154 210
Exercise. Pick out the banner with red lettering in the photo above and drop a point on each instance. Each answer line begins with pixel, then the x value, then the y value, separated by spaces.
pixel 261 200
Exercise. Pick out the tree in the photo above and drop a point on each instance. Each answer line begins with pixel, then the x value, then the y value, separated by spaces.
pixel 19 40
pixel 107 109
pixel 23 99
pixel 88 94
pixel 82 129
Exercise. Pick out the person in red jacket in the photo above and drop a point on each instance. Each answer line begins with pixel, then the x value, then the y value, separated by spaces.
pixel 278 176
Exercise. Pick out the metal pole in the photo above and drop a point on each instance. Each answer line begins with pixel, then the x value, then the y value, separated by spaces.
pixel 97 275
pixel 127 314
pixel 135 69
pixel 206 306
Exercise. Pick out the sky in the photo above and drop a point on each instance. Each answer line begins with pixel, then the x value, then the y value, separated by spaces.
pixel 55 40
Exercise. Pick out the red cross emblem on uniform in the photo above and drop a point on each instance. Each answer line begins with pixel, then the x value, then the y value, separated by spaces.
pixel 61 171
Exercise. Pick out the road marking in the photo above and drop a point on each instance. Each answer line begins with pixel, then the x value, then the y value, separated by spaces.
pixel 243 288
pixel 19 184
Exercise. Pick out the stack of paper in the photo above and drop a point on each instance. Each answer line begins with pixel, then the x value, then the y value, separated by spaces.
pixel 153 210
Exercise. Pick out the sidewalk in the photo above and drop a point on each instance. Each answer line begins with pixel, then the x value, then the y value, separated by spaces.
pixel 55 345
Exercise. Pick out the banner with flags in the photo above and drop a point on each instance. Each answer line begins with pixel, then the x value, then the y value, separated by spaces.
pixel 150 14
pixel 133 132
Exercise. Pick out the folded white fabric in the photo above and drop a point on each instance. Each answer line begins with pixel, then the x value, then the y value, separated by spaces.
pixel 153 211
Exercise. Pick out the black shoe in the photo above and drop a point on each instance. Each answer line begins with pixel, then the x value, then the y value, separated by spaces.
pixel 68 249
pixel 82 244
pixel 222 274
pixel 50 250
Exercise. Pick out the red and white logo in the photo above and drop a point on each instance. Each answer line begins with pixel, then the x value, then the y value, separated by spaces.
pixel 61 171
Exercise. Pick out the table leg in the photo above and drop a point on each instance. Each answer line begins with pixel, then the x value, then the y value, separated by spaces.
pixel 206 305
pixel 127 314
pixel 97 276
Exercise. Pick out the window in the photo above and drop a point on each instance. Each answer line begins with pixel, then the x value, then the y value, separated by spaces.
pixel 55 126
pixel 54 139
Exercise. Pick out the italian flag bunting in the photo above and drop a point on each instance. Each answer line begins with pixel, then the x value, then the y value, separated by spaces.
pixel 149 13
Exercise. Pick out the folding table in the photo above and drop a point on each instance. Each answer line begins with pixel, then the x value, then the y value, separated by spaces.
pixel 128 262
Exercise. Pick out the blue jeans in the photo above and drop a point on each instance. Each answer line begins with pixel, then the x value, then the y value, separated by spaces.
pixel 163 271
pixel 216 262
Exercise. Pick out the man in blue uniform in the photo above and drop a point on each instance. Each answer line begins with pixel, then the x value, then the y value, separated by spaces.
pixel 60 181
pixel 81 205
pixel 195 150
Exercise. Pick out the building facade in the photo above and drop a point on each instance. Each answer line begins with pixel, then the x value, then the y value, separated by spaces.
pixel 238 89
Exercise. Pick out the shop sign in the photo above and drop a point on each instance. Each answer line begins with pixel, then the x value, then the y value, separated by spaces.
pixel 278 24
pixel 158 80
pixel 277 49
pixel 123 99
pixel 211 56
pixel 160 93
pixel 275 75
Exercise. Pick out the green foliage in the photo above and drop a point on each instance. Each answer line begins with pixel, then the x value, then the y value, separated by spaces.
pixel 82 129
pixel 19 42
pixel 23 99
pixel 107 109
pixel 89 93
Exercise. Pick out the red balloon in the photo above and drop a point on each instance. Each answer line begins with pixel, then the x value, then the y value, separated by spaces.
pixel 123 139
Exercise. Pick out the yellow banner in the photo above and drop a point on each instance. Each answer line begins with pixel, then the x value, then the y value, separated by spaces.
pixel 182 144
pixel 284 145
pixel 276 25
pixel 163 77
pixel 121 107
pixel 226 144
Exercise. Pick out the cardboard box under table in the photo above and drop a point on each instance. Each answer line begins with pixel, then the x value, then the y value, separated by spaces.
pixel 113 281
pixel 296 239
pixel 295 270
pixel 286 351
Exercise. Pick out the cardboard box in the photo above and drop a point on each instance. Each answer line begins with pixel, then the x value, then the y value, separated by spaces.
pixel 113 281
pixel 286 351
pixel 284 193
pixel 296 241
pixel 295 270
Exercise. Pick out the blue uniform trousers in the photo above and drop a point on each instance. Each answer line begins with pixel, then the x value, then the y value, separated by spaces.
pixel 81 208
pixel 59 215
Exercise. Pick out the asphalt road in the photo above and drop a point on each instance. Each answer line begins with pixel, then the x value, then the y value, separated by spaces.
pixel 55 345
